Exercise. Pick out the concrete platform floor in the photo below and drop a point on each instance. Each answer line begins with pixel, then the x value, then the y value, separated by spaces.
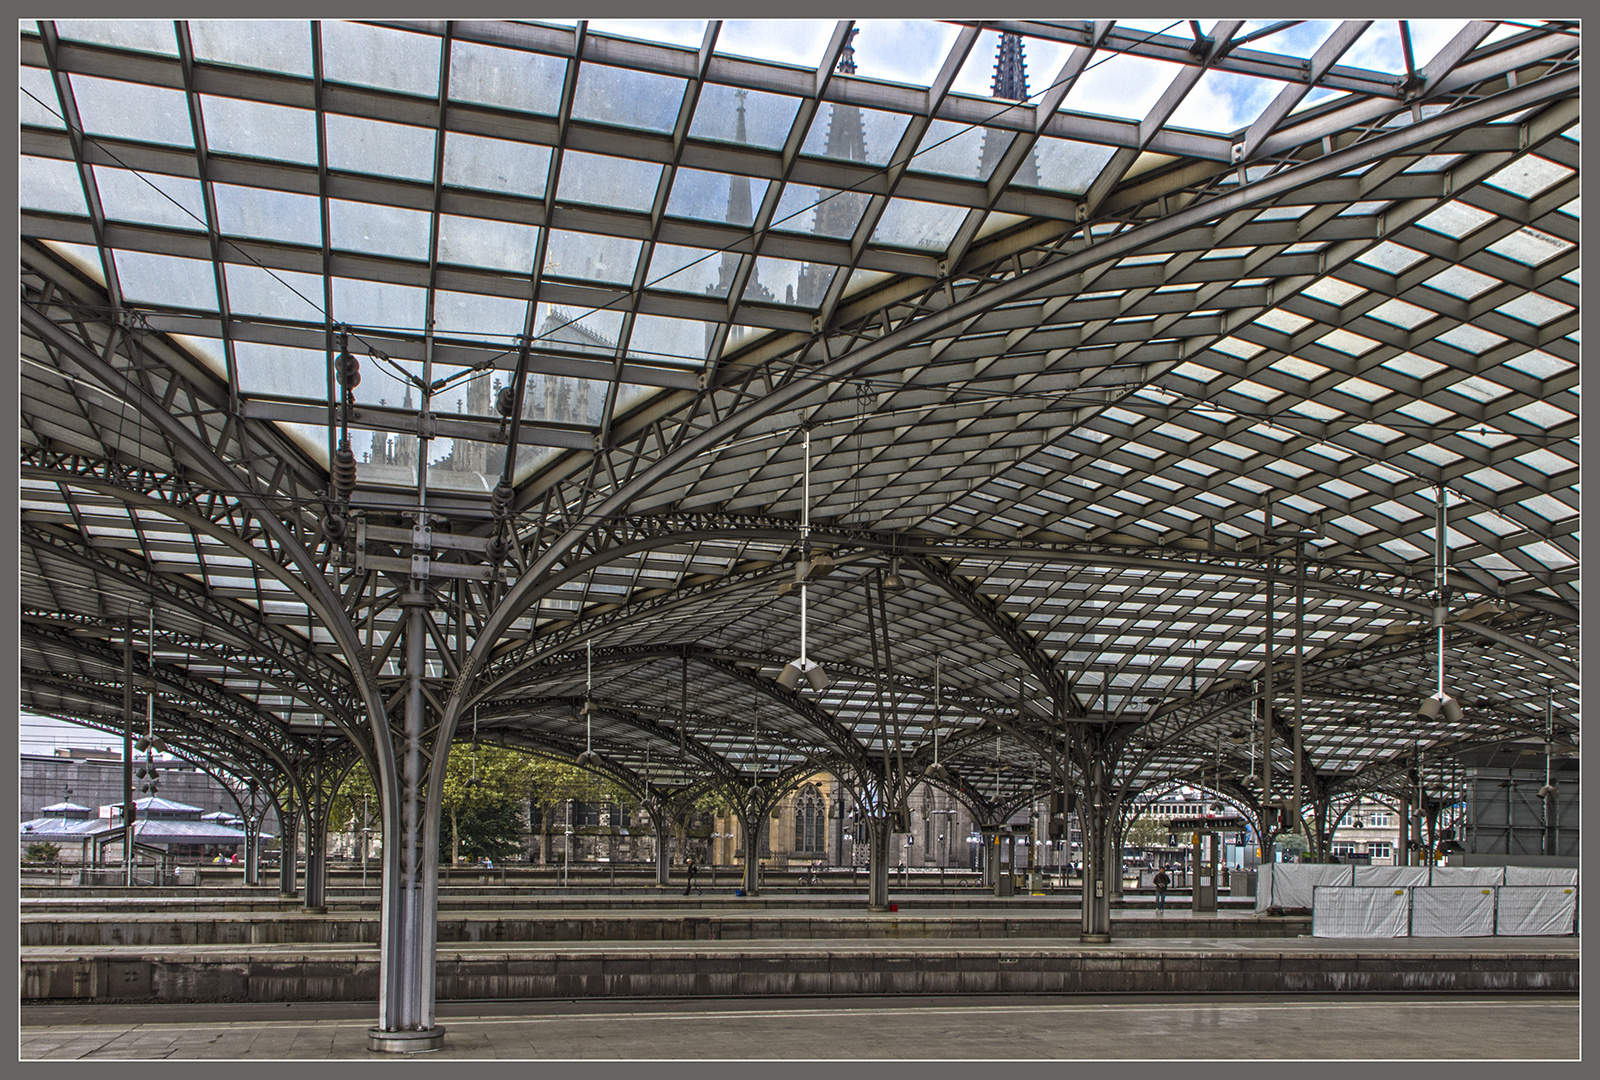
pixel 1215 1027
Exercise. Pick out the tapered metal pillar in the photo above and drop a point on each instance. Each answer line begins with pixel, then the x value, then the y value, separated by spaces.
pixel 750 829
pixel 1096 863
pixel 252 847
pixel 663 829
pixel 410 875
pixel 129 811
pixel 316 855
pixel 288 853
pixel 878 863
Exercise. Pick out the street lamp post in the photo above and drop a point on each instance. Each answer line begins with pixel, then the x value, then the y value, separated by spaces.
pixel 366 838
pixel 566 863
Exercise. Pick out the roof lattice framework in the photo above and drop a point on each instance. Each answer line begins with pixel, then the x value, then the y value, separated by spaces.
pixel 1095 384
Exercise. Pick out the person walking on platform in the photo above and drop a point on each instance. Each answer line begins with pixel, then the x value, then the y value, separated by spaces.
pixel 689 883
pixel 1161 881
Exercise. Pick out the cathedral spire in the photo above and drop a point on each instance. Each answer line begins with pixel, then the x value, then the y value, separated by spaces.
pixel 1010 84
pixel 847 57
pixel 1010 70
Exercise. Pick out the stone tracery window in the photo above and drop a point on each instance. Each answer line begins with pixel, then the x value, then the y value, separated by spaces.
pixel 810 822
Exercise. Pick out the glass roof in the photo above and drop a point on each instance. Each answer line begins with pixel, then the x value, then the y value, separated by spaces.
pixel 1211 303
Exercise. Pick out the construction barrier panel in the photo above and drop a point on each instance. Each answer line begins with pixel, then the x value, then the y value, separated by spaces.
pixel 1536 910
pixel 1350 911
pixel 1542 875
pixel 1453 911
pixel 1391 876
pixel 1468 875
pixel 1290 884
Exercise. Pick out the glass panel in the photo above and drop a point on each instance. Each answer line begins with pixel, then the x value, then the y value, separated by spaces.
pixel 465 465
pixel 685 32
pixel 508 78
pixel 141 35
pixel 472 315
pixel 1333 291
pixel 788 41
pixel 50 184
pixel 373 146
pixel 765 119
pixel 561 399
pixel 960 150
pixel 497 245
pixel 1539 364
pixel 1068 166
pixel 379 230
pixel 36 99
pixel 608 181
pixel 1401 313
pixel 283 372
pixel 268 215
pixel 585 256
pixel 133 111
pixel 1460 282
pixel 1122 85
pixel 257 43
pixel 496 165
pixel 819 211
pixel 636 99
pixel 1390 257
pixel 380 56
pixel 150 198
pixel 656 337
pixel 714 196
pixel 1534 308
pixel 1530 246
pixel 1224 102
pixel 798 283
pixel 1455 219
pixel 1529 175
pixel 375 303
pixel 913 224
pixel 1471 339
pixel 902 50
pixel 686 269
pixel 592 330
pixel 250 128
pixel 849 133
pixel 281 294
pixel 163 279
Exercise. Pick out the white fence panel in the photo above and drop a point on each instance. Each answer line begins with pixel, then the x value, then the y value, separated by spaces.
pixel 1359 912
pixel 1453 911
pixel 1542 875
pixel 1292 883
pixel 1390 876
pixel 1264 888
pixel 1536 910
pixel 1468 875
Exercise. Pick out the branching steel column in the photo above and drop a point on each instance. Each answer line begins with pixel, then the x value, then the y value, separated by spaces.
pixel 878 864
pixel 410 875
pixel 128 810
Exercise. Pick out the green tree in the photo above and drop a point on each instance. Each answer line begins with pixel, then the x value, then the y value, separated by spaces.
pixel 486 828
pixel 1146 831
pixel 42 851
pixel 492 793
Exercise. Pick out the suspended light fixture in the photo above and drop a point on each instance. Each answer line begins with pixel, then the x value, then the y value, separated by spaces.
pixel 936 771
pixel 789 677
pixel 1440 702
pixel 588 757
pixel 893 581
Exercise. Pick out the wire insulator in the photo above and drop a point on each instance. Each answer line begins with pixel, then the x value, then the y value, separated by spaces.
pixel 344 471
pixel 348 370
pixel 505 402
pixel 500 499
